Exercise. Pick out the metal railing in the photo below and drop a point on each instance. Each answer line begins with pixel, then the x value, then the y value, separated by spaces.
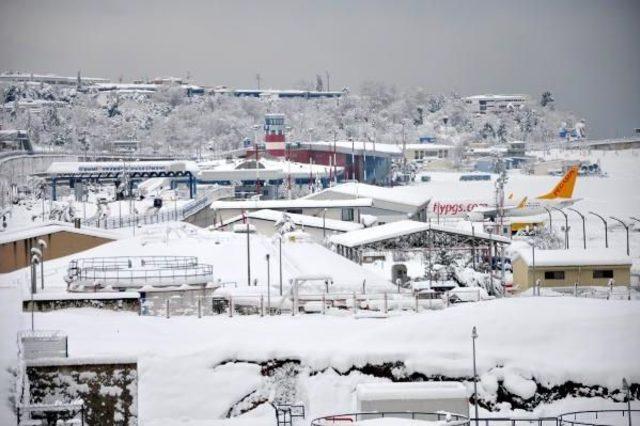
pixel 137 271
pixel 515 421
pixel 598 418
pixel 160 216
pixel 450 419
pixel 205 303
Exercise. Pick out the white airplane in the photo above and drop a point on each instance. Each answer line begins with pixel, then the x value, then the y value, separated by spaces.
pixel 559 197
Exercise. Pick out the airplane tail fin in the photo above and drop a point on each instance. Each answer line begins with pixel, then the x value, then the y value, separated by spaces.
pixel 522 203
pixel 564 188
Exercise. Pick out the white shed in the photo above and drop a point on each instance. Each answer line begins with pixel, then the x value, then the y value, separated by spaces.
pixel 413 396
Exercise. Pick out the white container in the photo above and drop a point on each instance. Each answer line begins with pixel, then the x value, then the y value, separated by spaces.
pixel 414 396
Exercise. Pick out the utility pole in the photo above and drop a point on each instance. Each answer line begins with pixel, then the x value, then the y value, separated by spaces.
pixel 280 261
pixel 327 73
pixel 258 80
pixel 248 250
pixel 268 285
pixel 474 336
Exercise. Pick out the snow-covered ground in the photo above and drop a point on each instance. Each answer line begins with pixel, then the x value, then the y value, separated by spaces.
pixel 551 340
pixel 524 342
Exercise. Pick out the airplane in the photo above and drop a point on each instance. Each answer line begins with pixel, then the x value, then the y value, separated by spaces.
pixel 560 196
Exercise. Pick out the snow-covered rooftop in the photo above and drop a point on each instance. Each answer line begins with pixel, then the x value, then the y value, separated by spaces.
pixel 575 257
pixel 356 147
pixel 428 146
pixel 412 196
pixel 53 227
pixel 71 167
pixel 306 220
pixel 290 204
pixel 400 228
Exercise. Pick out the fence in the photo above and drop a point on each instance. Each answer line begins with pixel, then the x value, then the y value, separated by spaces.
pixel 619 292
pixel 168 215
pixel 203 302
pixel 138 271
pixel 448 419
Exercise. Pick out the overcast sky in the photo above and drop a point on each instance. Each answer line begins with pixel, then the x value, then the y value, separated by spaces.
pixel 586 52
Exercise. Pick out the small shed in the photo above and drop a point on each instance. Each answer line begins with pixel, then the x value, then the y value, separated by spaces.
pixel 559 268
pixel 413 396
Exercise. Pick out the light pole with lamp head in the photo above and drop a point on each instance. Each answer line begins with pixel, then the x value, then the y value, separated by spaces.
pixel 584 227
pixel 550 218
pixel 35 259
pixel 268 284
pixel 280 260
pixel 626 227
pixel 324 223
pixel 43 247
pixel 566 227
pixel 474 336
pixel 533 263
pixel 606 228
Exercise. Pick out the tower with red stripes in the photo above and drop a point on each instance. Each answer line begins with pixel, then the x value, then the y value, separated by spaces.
pixel 274 134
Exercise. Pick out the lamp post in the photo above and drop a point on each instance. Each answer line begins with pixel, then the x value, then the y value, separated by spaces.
pixel 566 227
pixel 280 261
pixel 627 388
pixel 35 259
pixel 474 336
pixel 533 261
pixel 324 223
pixel 246 213
pixel 606 228
pixel 268 285
pixel 584 227
pixel 626 227
pixel 550 218
pixel 43 247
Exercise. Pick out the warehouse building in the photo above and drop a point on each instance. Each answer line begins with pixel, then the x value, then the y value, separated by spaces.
pixel 561 268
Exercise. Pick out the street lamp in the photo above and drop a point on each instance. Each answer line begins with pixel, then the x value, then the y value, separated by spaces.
pixel 268 285
pixel 533 263
pixel 35 259
pixel 566 227
pixel 246 216
pixel 606 228
pixel 474 336
pixel 324 223
pixel 626 227
pixel 550 218
pixel 280 261
pixel 584 229
pixel 43 247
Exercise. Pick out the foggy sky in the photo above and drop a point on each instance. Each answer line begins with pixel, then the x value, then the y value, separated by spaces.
pixel 585 52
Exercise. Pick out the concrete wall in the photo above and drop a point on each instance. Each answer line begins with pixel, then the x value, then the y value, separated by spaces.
pixel 15 255
pixel 523 275
pixel 108 389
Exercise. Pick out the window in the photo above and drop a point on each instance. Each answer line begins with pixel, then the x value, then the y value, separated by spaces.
pixel 603 273
pixel 554 275
pixel 347 215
